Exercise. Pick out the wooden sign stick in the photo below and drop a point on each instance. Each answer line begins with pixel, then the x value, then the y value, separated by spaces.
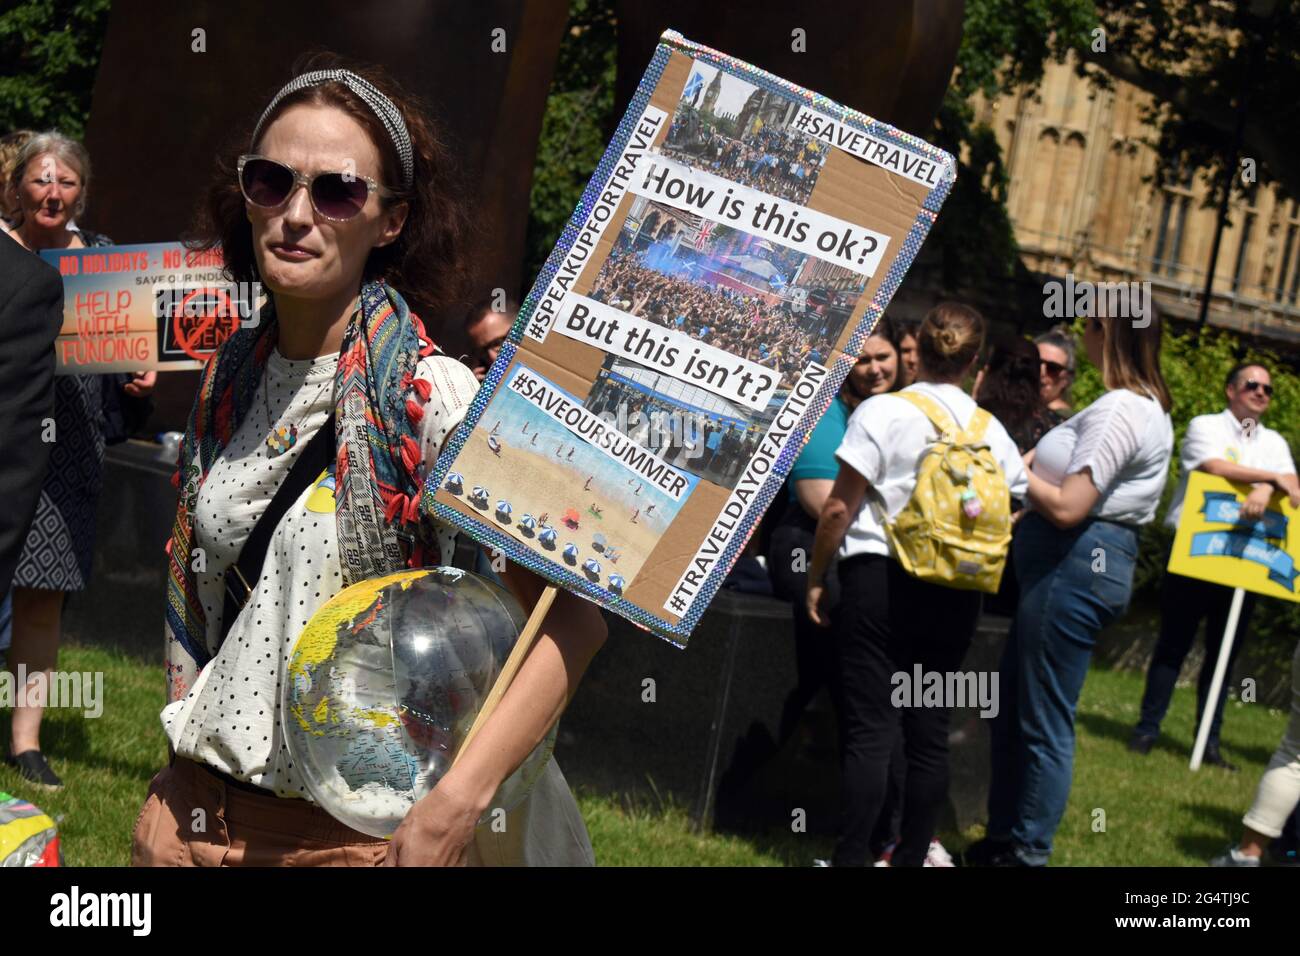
pixel 516 660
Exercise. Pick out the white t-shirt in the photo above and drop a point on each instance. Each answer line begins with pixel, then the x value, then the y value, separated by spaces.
pixel 1222 436
pixel 230 720
pixel 1127 440
pixel 884 442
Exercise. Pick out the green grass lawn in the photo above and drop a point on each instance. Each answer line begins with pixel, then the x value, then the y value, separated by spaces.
pixel 1157 813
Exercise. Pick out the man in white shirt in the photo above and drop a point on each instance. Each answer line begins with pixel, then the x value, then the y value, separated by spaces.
pixel 1232 444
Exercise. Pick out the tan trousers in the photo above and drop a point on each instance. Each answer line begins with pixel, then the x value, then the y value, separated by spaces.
pixel 193 818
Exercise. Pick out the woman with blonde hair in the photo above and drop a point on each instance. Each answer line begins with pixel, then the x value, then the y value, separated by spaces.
pixel 888 622
pixel 50 182
pixel 11 144
pixel 1095 480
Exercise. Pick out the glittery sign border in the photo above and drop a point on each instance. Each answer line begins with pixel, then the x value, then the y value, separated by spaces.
pixel 678 633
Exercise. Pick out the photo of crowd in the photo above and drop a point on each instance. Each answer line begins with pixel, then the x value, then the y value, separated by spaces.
pixel 779 309
pixel 689 427
pixel 730 127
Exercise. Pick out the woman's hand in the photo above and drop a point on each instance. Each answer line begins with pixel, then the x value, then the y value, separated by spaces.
pixel 141 384
pixel 817 605
pixel 436 831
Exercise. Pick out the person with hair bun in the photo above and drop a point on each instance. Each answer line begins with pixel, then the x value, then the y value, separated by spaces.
pixel 887 622
pixel 339 195
pixel 1095 480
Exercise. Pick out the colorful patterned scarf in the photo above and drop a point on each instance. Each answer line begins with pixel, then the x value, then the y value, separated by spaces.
pixel 377 417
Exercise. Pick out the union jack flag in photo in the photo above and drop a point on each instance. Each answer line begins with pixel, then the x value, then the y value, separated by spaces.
pixel 702 238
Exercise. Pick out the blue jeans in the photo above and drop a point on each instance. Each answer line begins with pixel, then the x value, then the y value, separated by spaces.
pixel 1073 582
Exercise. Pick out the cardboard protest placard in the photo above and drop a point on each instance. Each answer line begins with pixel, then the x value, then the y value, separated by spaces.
pixel 153 306
pixel 735 247
pixel 1214 544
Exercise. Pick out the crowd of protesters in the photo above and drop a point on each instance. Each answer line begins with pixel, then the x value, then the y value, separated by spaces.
pixel 779 162
pixel 1066 483
pixel 1089 479
pixel 709 446
pixel 774 336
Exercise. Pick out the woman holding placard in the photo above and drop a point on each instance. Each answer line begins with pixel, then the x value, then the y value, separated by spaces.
pixel 1095 479
pixel 48 187
pixel 336 345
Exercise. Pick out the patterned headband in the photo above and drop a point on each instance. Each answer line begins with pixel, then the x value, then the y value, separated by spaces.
pixel 379 104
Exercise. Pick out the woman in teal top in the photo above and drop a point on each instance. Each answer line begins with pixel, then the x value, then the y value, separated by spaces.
pixel 809 482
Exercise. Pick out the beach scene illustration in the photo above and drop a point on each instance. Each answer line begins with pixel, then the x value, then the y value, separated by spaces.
pixel 527 474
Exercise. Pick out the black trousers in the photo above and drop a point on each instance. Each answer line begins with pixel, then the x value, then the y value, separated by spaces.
pixel 817 657
pixel 788 555
pixel 888 622
pixel 1184 603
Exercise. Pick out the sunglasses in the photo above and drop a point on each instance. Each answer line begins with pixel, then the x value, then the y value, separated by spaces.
pixel 338 197
pixel 1056 368
pixel 1251 385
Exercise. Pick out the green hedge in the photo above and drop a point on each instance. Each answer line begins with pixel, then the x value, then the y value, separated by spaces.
pixel 1194 369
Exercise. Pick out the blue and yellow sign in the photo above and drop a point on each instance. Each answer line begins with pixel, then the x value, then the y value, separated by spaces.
pixel 1215 544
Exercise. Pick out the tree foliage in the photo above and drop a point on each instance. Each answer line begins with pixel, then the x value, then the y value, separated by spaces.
pixel 579 117
pixel 1004 49
pixel 1211 67
pixel 49 51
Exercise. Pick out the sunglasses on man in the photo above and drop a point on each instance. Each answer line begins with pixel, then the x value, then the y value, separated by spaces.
pixel 338 197
pixel 1250 385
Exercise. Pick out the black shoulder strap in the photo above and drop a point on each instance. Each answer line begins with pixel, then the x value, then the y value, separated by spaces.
pixel 242 576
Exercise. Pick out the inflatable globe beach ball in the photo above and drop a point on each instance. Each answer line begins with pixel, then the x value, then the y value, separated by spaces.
pixel 455 483
pixel 385 682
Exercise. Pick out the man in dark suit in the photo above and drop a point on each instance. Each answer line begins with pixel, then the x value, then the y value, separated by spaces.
pixel 31 312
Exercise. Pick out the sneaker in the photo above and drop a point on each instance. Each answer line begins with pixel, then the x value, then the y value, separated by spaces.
pixel 33 768
pixel 988 852
pixel 817 861
pixel 1213 758
pixel 1234 857
pixel 1141 743
pixel 982 851
pixel 886 854
pixel 937 855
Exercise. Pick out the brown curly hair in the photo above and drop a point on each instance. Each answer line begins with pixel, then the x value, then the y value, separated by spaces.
pixel 428 263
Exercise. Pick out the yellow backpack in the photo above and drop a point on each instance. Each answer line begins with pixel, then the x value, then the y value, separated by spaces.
pixel 955 530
